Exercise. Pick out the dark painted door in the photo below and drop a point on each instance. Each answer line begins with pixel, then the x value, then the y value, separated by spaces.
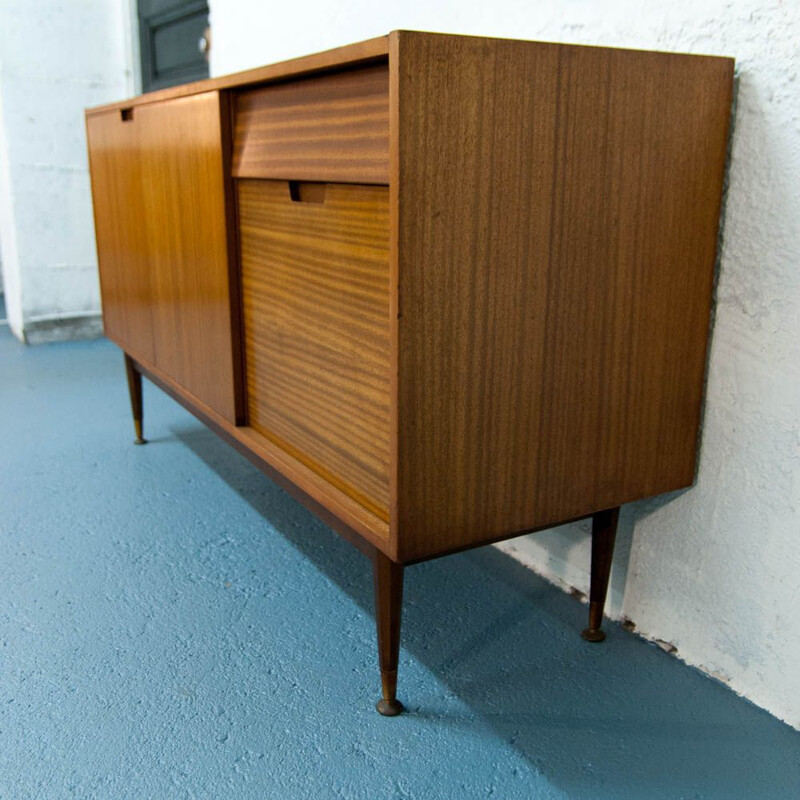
pixel 173 42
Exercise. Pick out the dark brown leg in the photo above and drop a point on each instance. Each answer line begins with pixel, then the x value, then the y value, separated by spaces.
pixel 604 531
pixel 135 389
pixel 388 608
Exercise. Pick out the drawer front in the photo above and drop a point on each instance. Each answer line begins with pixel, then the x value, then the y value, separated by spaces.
pixel 325 128
pixel 315 289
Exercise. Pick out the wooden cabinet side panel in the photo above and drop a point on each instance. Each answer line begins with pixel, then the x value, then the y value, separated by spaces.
pixel 558 212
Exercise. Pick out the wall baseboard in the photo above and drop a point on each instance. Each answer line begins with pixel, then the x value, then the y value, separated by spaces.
pixel 62 329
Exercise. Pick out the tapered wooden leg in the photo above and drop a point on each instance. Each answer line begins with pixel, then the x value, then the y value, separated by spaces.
pixel 135 390
pixel 604 531
pixel 388 611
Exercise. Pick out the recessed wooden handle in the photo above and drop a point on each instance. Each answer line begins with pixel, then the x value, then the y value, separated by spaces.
pixel 126 114
pixel 307 192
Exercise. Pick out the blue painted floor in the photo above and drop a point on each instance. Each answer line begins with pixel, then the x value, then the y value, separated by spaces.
pixel 172 625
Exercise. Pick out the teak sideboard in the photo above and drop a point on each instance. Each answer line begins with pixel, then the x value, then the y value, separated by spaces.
pixel 446 290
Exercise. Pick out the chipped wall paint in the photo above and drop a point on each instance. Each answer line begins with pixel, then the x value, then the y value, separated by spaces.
pixel 712 570
pixel 56 58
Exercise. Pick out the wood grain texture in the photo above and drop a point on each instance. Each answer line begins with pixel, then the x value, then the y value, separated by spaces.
pixel 531 319
pixel 125 283
pixel 163 249
pixel 388 583
pixel 328 128
pixel 346 516
pixel 510 335
pixel 350 55
pixel 557 210
pixel 234 267
pixel 316 311
pixel 394 289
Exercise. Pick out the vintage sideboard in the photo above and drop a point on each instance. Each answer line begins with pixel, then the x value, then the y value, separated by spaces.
pixel 446 290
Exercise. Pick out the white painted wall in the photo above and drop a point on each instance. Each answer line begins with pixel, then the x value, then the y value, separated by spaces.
pixel 715 569
pixel 56 58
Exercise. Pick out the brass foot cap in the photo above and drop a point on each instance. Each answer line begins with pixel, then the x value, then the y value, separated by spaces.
pixel 389 708
pixel 140 440
pixel 593 634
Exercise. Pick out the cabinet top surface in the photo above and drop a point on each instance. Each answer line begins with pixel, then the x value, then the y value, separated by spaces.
pixel 348 55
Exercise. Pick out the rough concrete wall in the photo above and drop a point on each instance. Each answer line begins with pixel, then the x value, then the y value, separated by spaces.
pixel 56 58
pixel 9 259
pixel 712 570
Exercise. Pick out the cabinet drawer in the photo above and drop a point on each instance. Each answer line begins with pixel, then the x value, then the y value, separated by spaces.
pixel 315 290
pixel 326 128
